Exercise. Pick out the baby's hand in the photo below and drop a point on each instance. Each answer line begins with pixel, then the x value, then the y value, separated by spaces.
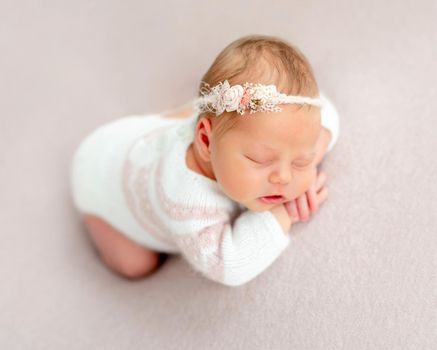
pixel 300 208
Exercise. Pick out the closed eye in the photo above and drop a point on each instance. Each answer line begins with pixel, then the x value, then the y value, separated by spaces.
pixel 298 165
pixel 256 161
pixel 304 165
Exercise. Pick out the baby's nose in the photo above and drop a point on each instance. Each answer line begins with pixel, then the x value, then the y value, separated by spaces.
pixel 282 176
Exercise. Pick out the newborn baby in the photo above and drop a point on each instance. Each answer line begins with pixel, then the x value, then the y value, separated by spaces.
pixel 220 181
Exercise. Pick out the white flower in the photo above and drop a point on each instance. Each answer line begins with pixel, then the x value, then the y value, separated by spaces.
pixel 232 98
pixel 227 98
pixel 219 107
pixel 218 91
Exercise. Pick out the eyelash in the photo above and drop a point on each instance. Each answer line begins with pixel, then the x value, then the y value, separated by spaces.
pixel 266 162
pixel 261 163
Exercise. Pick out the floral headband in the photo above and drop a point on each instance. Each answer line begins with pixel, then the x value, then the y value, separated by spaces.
pixel 249 96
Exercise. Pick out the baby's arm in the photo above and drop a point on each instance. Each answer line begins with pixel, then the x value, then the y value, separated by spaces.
pixel 234 253
pixel 281 214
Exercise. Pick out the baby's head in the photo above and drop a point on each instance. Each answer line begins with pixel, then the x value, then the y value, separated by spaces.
pixel 263 153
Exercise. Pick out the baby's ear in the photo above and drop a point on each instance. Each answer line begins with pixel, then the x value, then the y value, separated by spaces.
pixel 202 137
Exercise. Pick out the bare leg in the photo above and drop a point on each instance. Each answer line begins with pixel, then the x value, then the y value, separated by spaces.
pixel 118 252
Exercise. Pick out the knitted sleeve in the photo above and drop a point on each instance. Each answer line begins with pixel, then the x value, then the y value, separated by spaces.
pixel 234 254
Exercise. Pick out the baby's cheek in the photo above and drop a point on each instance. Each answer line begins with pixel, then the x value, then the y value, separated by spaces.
pixel 301 183
pixel 237 181
pixel 309 179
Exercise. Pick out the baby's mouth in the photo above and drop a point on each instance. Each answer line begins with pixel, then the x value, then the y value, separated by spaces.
pixel 272 199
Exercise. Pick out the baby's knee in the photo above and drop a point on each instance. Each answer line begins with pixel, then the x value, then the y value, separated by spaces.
pixel 136 267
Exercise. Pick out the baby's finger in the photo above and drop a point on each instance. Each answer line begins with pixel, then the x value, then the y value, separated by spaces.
pixel 294 214
pixel 320 181
pixel 322 195
pixel 312 199
pixel 302 206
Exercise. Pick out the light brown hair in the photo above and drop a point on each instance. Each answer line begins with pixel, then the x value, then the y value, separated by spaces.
pixel 259 59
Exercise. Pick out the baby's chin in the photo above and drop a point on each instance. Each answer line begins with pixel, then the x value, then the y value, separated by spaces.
pixel 257 205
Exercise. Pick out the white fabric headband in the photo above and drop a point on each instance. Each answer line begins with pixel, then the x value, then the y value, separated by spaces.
pixel 249 96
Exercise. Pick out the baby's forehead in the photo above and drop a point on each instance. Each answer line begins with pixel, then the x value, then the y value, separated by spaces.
pixel 278 123
pixel 271 129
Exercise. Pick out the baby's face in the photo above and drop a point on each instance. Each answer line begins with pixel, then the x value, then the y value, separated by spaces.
pixel 267 154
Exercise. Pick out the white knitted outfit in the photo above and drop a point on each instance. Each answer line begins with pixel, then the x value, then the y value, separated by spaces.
pixel 132 173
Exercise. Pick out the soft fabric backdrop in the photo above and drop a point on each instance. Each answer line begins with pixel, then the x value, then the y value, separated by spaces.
pixel 361 274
